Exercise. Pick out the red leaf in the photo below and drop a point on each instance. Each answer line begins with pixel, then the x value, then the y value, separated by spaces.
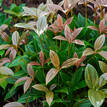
pixel 34 63
pixel 47 60
pixel 41 55
pixel 59 21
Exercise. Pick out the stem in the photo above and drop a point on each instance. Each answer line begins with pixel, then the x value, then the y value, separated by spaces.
pixel 101 14
pixel 42 45
pixel 69 48
pixel 85 13
pixel 60 44
pixel 71 12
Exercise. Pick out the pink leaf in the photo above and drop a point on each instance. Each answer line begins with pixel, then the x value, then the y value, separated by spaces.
pixel 12 54
pixel 34 63
pixel 76 33
pixel 59 21
pixel 93 28
pixel 67 33
pixel 103 54
pixel 68 21
pixel 78 42
pixel 101 25
pixel 21 80
pixel 60 38
pixel 4 61
pixel 5 36
pixel 30 70
pixel 53 7
pixel 27 84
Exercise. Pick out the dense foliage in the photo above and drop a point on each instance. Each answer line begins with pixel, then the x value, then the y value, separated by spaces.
pixel 53 59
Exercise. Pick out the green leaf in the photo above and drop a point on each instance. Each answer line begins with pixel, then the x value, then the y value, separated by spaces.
pixel 3 84
pixel 20 60
pixel 84 103
pixel 29 97
pixel 91 76
pixel 96 97
pixel 62 90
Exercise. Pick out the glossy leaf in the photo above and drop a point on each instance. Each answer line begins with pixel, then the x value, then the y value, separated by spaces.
pixel 103 80
pixel 40 87
pixel 103 66
pixel 51 74
pixel 99 42
pixel 41 25
pixel 6 71
pixel 13 104
pixel 4 46
pixel 54 59
pixel 67 33
pixel 30 71
pixel 49 97
pixel 27 84
pixel 59 21
pixel 96 97
pixel 103 54
pixel 69 63
pixel 88 51
pixel 91 76
pixel 15 38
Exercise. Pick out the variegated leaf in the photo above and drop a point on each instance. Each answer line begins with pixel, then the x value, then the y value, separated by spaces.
pixel 66 4
pixel 41 25
pixel 54 59
pixel 103 80
pixel 59 20
pixel 91 76
pixel 67 33
pixel 51 74
pixel 15 38
pixel 60 38
pixel 6 71
pixel 69 63
pixel 96 97
pixel 103 54
pixel 30 25
pixel 21 80
pixel 40 87
pixel 42 59
pixel 4 46
pixel 76 33
pixel 49 97
pixel 103 66
pixel 27 84
pixel 78 42
pixel 88 51
pixel 30 71
pixel 13 104
pixel 99 42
